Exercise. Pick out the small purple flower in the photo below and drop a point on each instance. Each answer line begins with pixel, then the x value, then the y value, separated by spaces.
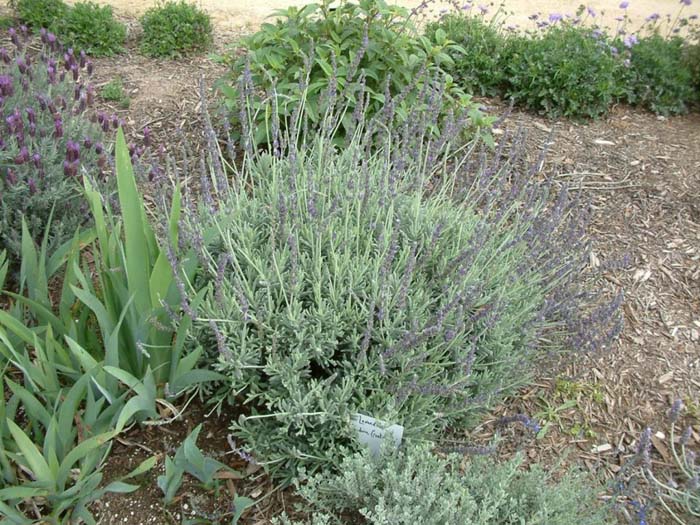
pixel 72 151
pixel 592 12
pixel 21 65
pixel 11 177
pixel 6 86
pixel 13 36
pixel 32 186
pixel 58 128
pixel 22 156
pixel 624 5
pixel 652 17
pixel 686 2
pixel 630 40
pixel 483 9
pixel 555 17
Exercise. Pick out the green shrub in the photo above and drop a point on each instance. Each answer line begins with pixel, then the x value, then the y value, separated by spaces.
pixel 416 486
pixel 691 60
pixel 173 29
pixel 657 77
pixel 565 71
pixel 478 67
pixel 378 283
pixel 40 13
pixel 91 28
pixel 367 53
pixel 48 143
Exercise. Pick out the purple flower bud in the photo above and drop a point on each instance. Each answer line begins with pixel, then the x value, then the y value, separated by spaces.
pixel 74 69
pixel 7 88
pixel 72 151
pixel 87 143
pixel 624 5
pixel 24 30
pixel 36 159
pixel 76 92
pixel 31 115
pixel 22 156
pixel 51 40
pixel 686 2
pixel 90 95
pixel 132 149
pixel 147 136
pixel 42 33
pixel 66 61
pixel 11 177
pixel 13 36
pixel 32 186
pixel 58 128
pixel 83 56
pixel 62 76
pixel 21 65
pixel 115 121
pixel 5 56
pixel 99 148
pixel 51 72
pixel 90 67
pixel 101 161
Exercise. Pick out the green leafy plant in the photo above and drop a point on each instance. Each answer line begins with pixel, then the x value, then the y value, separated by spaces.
pixel 566 71
pixel 476 65
pixel 175 28
pixel 367 53
pixel 656 76
pixel 53 443
pixel 121 317
pixel 40 13
pixel 113 91
pixel 91 28
pixel 414 485
pixel 189 459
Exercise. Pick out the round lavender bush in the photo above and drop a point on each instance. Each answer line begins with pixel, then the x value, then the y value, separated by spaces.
pixel 48 141
pixel 404 278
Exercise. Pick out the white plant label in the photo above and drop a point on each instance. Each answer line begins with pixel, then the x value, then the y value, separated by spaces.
pixel 372 432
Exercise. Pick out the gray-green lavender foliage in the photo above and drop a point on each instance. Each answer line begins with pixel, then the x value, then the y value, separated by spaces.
pixel 416 486
pixel 389 277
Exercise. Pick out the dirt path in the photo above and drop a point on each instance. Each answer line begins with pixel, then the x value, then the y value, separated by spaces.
pixel 236 14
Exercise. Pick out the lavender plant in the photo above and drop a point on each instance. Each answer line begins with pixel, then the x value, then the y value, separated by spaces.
pixel 48 142
pixel 401 276
pixel 414 485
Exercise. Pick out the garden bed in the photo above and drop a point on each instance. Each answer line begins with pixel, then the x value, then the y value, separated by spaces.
pixel 641 174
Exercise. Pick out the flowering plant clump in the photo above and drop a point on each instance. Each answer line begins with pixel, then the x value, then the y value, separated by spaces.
pixel 48 142
pixel 389 278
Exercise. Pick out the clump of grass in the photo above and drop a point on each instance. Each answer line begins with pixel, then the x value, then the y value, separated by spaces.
pixel 114 91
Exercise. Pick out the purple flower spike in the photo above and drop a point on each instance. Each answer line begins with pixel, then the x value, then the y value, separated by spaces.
pixel 147 136
pixel 11 177
pixel 36 159
pixel 58 128
pixel 90 67
pixel 32 186
pixel 6 86
pixel 72 151
pixel 13 36
pixel 22 156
